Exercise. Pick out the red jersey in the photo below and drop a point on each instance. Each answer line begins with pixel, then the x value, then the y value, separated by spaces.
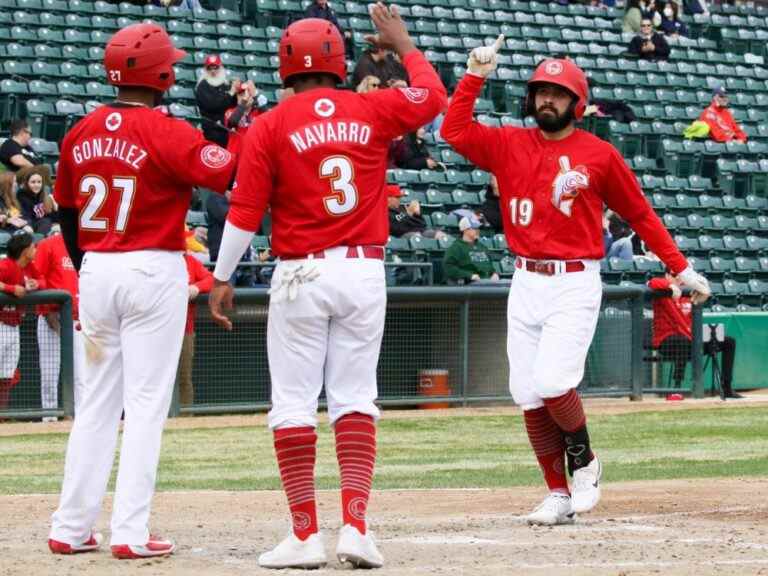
pixel 129 171
pixel 203 279
pixel 56 271
pixel 11 274
pixel 552 192
pixel 319 160
pixel 670 316
pixel 722 126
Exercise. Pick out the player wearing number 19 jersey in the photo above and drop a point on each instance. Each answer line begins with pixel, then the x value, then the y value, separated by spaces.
pixel 319 161
pixel 124 184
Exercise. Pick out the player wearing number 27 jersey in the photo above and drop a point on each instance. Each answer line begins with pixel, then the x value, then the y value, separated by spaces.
pixel 124 185
pixel 319 161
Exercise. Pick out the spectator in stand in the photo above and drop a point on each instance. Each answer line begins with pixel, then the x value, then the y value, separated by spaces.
pixel 650 11
pixel 490 208
pixel 377 61
pixel 215 94
pixel 37 206
pixel 467 260
pixel 56 272
pixel 16 152
pixel 672 333
pixel 633 16
pixel 407 221
pixel 196 243
pixel 200 282
pixel 412 153
pixel 10 209
pixel 621 238
pixel 696 7
pixel 250 104
pixel 368 84
pixel 321 9
pixel 17 277
pixel 217 207
pixel 722 126
pixel 670 20
pixel 185 4
pixel 649 45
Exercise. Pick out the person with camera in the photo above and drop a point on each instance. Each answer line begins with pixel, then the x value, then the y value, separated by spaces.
pixel 250 104
pixel 649 44
pixel 672 335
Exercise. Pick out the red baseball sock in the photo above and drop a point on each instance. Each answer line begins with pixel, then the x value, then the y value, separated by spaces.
pixel 549 446
pixel 356 453
pixel 295 450
pixel 568 412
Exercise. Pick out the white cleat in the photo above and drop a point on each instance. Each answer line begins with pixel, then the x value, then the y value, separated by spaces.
pixel 585 490
pixel 555 509
pixel 357 549
pixel 295 553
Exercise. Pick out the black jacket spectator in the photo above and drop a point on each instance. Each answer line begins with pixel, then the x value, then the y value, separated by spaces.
pixel 640 45
pixel 217 207
pixel 401 223
pixel 379 63
pixel 214 95
pixel 412 153
pixel 491 210
pixel 16 152
pixel 321 9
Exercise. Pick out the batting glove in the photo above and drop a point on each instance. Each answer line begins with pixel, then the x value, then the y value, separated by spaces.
pixel 482 60
pixel 697 283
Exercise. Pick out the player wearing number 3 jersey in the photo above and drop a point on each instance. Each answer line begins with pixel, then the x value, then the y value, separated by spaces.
pixel 124 184
pixel 554 181
pixel 319 161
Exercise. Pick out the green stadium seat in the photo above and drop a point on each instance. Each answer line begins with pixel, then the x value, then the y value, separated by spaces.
pixel 686 203
pixel 12 96
pixel 734 244
pixel 49 35
pixel 464 198
pixel 422 244
pixel 756 243
pixel 684 243
pixel 711 244
pixel 722 223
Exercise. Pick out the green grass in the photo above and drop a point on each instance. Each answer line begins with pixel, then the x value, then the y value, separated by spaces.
pixel 447 452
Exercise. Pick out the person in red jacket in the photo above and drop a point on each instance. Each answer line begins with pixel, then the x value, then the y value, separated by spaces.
pixel 672 333
pixel 17 277
pixel 200 282
pixel 56 272
pixel 722 126
pixel 554 180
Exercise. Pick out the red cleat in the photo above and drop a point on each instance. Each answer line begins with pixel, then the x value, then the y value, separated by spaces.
pixel 155 547
pixel 90 545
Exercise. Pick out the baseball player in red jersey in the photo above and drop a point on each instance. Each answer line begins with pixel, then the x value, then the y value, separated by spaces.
pixel 124 183
pixel 56 273
pixel 319 161
pixel 17 277
pixel 554 180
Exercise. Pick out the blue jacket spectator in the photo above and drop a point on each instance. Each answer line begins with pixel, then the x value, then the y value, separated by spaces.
pixel 670 21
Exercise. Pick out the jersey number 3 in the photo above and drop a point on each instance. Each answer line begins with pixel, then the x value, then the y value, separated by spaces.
pixel 97 190
pixel 338 169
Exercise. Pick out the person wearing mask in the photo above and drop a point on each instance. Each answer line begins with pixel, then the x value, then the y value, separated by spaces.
pixel 215 94
pixel 37 206
pixel 649 45
pixel 722 126
pixel 16 152
pixel 467 260
pixel 670 20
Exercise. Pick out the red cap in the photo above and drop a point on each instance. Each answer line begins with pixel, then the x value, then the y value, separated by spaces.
pixel 212 60
pixel 394 191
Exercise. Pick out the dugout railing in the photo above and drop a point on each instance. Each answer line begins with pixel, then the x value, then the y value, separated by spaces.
pixel 442 346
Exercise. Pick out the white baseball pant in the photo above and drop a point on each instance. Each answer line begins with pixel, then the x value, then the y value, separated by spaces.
pixel 551 321
pixel 329 334
pixel 133 306
pixel 49 346
pixel 10 349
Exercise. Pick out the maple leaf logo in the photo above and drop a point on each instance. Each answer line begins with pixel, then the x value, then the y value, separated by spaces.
pixel 325 108
pixel 114 121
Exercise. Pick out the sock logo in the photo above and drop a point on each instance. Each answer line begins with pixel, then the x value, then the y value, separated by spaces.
pixel 301 520
pixel 357 507
pixel 558 467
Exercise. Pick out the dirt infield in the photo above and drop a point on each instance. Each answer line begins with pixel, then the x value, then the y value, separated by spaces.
pixel 669 527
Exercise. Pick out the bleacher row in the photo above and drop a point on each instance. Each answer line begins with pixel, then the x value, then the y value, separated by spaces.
pixel 711 196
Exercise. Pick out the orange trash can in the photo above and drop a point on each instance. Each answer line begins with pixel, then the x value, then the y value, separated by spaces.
pixel 434 383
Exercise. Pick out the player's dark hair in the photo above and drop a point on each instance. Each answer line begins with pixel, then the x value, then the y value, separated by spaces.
pixel 310 77
pixel 17 126
pixel 19 242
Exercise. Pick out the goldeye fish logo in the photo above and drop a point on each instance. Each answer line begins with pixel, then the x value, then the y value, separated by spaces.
pixel 567 184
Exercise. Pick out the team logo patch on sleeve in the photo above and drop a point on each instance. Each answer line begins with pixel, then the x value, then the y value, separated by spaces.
pixel 325 108
pixel 113 121
pixel 415 95
pixel 215 156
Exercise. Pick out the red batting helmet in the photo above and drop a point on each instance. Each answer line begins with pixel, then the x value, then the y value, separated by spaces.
pixel 565 74
pixel 141 55
pixel 312 46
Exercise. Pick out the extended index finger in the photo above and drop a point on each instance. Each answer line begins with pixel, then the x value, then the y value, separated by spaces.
pixel 499 44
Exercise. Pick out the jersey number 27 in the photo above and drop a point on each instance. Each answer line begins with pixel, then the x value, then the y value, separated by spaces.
pixel 339 170
pixel 97 190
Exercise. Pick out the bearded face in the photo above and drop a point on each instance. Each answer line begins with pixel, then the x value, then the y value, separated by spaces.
pixel 215 75
pixel 554 108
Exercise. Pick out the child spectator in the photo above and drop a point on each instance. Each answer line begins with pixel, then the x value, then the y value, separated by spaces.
pixel 37 206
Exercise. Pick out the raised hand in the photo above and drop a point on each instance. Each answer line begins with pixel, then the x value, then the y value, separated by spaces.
pixel 392 31
pixel 482 60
